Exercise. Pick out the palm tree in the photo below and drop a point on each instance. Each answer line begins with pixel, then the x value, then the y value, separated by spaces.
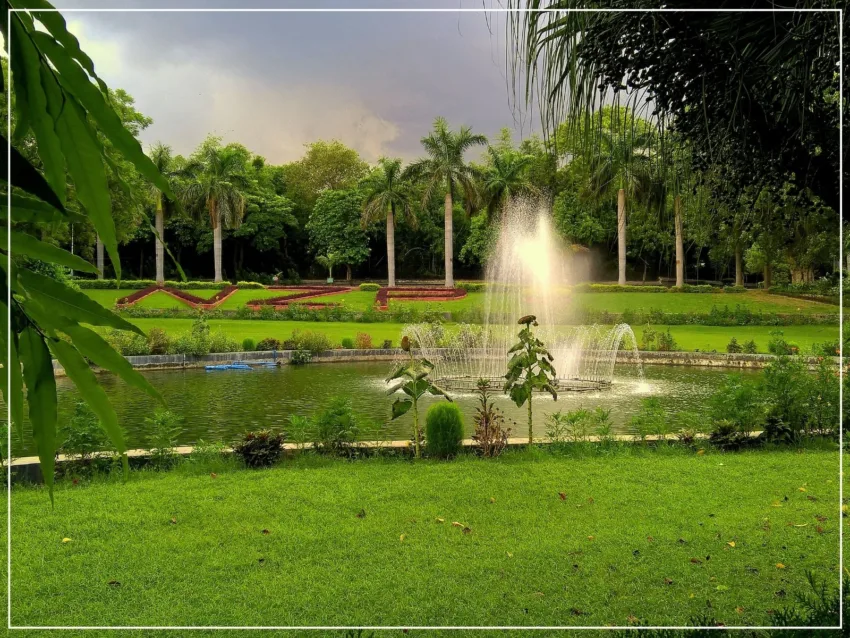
pixel 162 158
pixel 217 177
pixel 328 261
pixel 504 178
pixel 620 162
pixel 445 170
pixel 387 194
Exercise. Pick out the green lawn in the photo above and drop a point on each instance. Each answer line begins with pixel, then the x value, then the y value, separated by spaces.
pixel 648 537
pixel 705 338
pixel 162 300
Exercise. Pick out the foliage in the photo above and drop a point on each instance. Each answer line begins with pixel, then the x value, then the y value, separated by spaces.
pixel 311 341
pixel 164 429
pixel 529 369
pixel 412 378
pixel 574 426
pixel 749 347
pixel 337 428
pixel 363 341
pixel 158 341
pixel 300 357
pixel 334 227
pixel 260 449
pixel 778 345
pixel 666 342
pixel 268 343
pixel 248 345
pixel 347 343
pixel 738 403
pixel 733 347
pixel 325 166
pixel 725 435
pixel 490 435
pixel 83 434
pixel 650 420
pixel 370 287
pixel 444 430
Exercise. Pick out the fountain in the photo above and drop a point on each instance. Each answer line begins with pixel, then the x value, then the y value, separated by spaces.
pixel 529 272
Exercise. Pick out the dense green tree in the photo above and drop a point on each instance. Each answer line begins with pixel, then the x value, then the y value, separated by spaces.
pixel 444 170
pixel 335 227
pixel 325 166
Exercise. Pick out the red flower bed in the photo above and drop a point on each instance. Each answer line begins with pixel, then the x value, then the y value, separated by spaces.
pixel 139 294
pixel 419 293
pixel 303 293
pixel 189 298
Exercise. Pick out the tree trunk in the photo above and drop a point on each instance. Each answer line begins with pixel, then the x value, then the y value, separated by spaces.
pixel 739 266
pixel 348 272
pixel 449 242
pixel 99 251
pixel 391 247
pixel 680 245
pixel 217 252
pixel 141 263
pixel 160 246
pixel 848 260
pixel 767 276
pixel 621 236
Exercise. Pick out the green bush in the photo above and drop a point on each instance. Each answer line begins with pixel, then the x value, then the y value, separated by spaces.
pixel 733 347
pixel 363 341
pixel 387 345
pixel 650 420
pixel 221 342
pixel 370 287
pixel 268 344
pixel 165 428
pixel 778 345
pixel 750 347
pixel 260 449
pixel 300 357
pixel 103 284
pixel 472 286
pixel 734 289
pixel 738 402
pixel 337 428
pixel 702 288
pixel 128 343
pixel 444 430
pixel 249 285
pixel 313 342
pixel 83 434
pixel 666 342
pixel 158 341
pixel 348 343
pixel 248 344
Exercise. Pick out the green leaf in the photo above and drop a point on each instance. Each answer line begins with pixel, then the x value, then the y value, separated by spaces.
pixel 30 209
pixel 518 346
pixel 24 176
pixel 81 374
pixel 401 371
pixel 27 73
pixel 395 388
pixel 400 407
pixel 41 399
pixel 10 375
pixel 74 79
pixel 56 297
pixel 23 244
pixel 438 391
pixel 95 348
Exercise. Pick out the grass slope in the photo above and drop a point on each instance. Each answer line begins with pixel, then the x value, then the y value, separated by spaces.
pixel 639 537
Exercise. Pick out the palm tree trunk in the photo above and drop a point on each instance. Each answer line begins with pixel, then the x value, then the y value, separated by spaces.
pixel 739 266
pixel 217 251
pixel 391 247
pixel 680 245
pixel 621 236
pixel 99 252
pixel 160 246
pixel 449 242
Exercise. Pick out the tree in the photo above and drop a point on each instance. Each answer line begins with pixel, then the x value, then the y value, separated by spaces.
pixel 216 183
pixel 445 170
pixel 386 194
pixel 505 177
pixel 334 226
pixel 325 166
pixel 161 157
pixel 268 220
pixel 328 261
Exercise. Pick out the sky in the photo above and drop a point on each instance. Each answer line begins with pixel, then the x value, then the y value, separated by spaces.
pixel 276 81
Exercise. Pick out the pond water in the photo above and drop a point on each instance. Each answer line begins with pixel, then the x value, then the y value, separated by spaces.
pixel 218 406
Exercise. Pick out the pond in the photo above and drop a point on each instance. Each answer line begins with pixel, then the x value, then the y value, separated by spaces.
pixel 218 406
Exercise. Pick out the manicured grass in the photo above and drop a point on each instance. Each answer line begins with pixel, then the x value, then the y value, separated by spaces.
pixel 705 338
pixel 648 537
pixel 162 300
pixel 755 300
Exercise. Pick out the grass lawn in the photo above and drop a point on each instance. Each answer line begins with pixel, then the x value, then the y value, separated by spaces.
pixel 705 338
pixel 658 538
pixel 108 297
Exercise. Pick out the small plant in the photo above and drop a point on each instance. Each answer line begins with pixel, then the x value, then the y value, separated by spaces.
pixel 164 429
pixel 269 344
pixel 363 341
pixel 248 344
pixel 337 428
pixel 778 345
pixel 529 369
pixel 604 427
pixel 733 347
pixel 300 431
pixel 650 420
pixel 329 261
pixel 412 377
pixel 300 357
pixel 158 341
pixel 347 343
pixel 490 432
pixel 688 427
pixel 208 457
pixel 666 342
pixel 387 345
pixel 750 347
pixel 726 436
pixel 84 437
pixel 573 426
pixel 260 449
pixel 648 338
pixel 444 430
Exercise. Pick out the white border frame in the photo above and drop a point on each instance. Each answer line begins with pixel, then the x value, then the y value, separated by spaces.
pixel 451 627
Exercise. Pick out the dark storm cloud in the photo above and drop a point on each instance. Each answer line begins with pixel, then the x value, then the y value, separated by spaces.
pixel 277 80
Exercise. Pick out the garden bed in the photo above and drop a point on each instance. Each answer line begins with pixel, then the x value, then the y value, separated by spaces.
pixel 417 293
pixel 182 295
pixel 297 296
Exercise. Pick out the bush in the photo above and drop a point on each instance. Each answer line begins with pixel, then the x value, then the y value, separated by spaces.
pixel 726 436
pixel 248 344
pixel 778 345
pixel 197 342
pixel 158 341
pixel 363 341
pixel 165 429
pixel 84 436
pixel 826 349
pixel 444 430
pixel 268 344
pixel 734 289
pixel 314 342
pixel 249 285
pixel 648 338
pixel 750 347
pixel 336 428
pixel 650 420
pixel 569 427
pixel 490 434
pixel 387 345
pixel 738 402
pixel 733 347
pixel 128 343
pixel 472 286
pixel 348 343
pixel 208 457
pixel 666 342
pixel 260 449
pixel 221 342
pixel 300 357
pixel 369 287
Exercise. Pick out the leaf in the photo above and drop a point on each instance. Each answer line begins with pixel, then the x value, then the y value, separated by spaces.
pixel 696 561
pixel 41 399
pixel 780 566
pixel 440 520
pixel 361 514
pixel 400 407
pixel 401 538
pixel 81 374
pixel 24 176
pixel 31 209
pixel 562 495
pixel 58 298
pixel 731 543
pixel 456 524
pixel 24 244
pixel 66 540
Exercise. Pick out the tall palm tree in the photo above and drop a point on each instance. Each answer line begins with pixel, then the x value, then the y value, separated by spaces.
pixel 620 163
pixel 162 158
pixel 217 178
pixel 444 170
pixel 505 177
pixel 387 194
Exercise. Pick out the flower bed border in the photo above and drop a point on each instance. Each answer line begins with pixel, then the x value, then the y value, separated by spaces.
pixel 306 292
pixel 417 292
pixel 186 297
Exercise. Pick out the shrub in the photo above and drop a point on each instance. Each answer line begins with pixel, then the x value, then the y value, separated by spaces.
pixel 750 347
pixel 726 436
pixel 260 449
pixel 84 436
pixel 300 431
pixel 387 345
pixel 444 430
pixel 472 286
pixel 336 428
pixel 248 344
pixel 650 419
pixel 369 287
pixel 648 338
pixel 249 285
pixel 738 402
pixel 490 434
pixel 573 426
pixel 268 344
pixel 666 342
pixel 777 343
pixel 221 342
pixel 734 289
pixel 300 357
pixel 197 342
pixel 158 341
pixel 208 457
pixel 348 343
pixel 363 341
pixel 164 429
pixel 826 349
pixel 314 342
pixel 733 347
pixel 128 343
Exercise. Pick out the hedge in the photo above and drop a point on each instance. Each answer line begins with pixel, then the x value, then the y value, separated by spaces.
pixel 370 287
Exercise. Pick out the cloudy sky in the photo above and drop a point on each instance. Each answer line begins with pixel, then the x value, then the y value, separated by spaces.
pixel 275 81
